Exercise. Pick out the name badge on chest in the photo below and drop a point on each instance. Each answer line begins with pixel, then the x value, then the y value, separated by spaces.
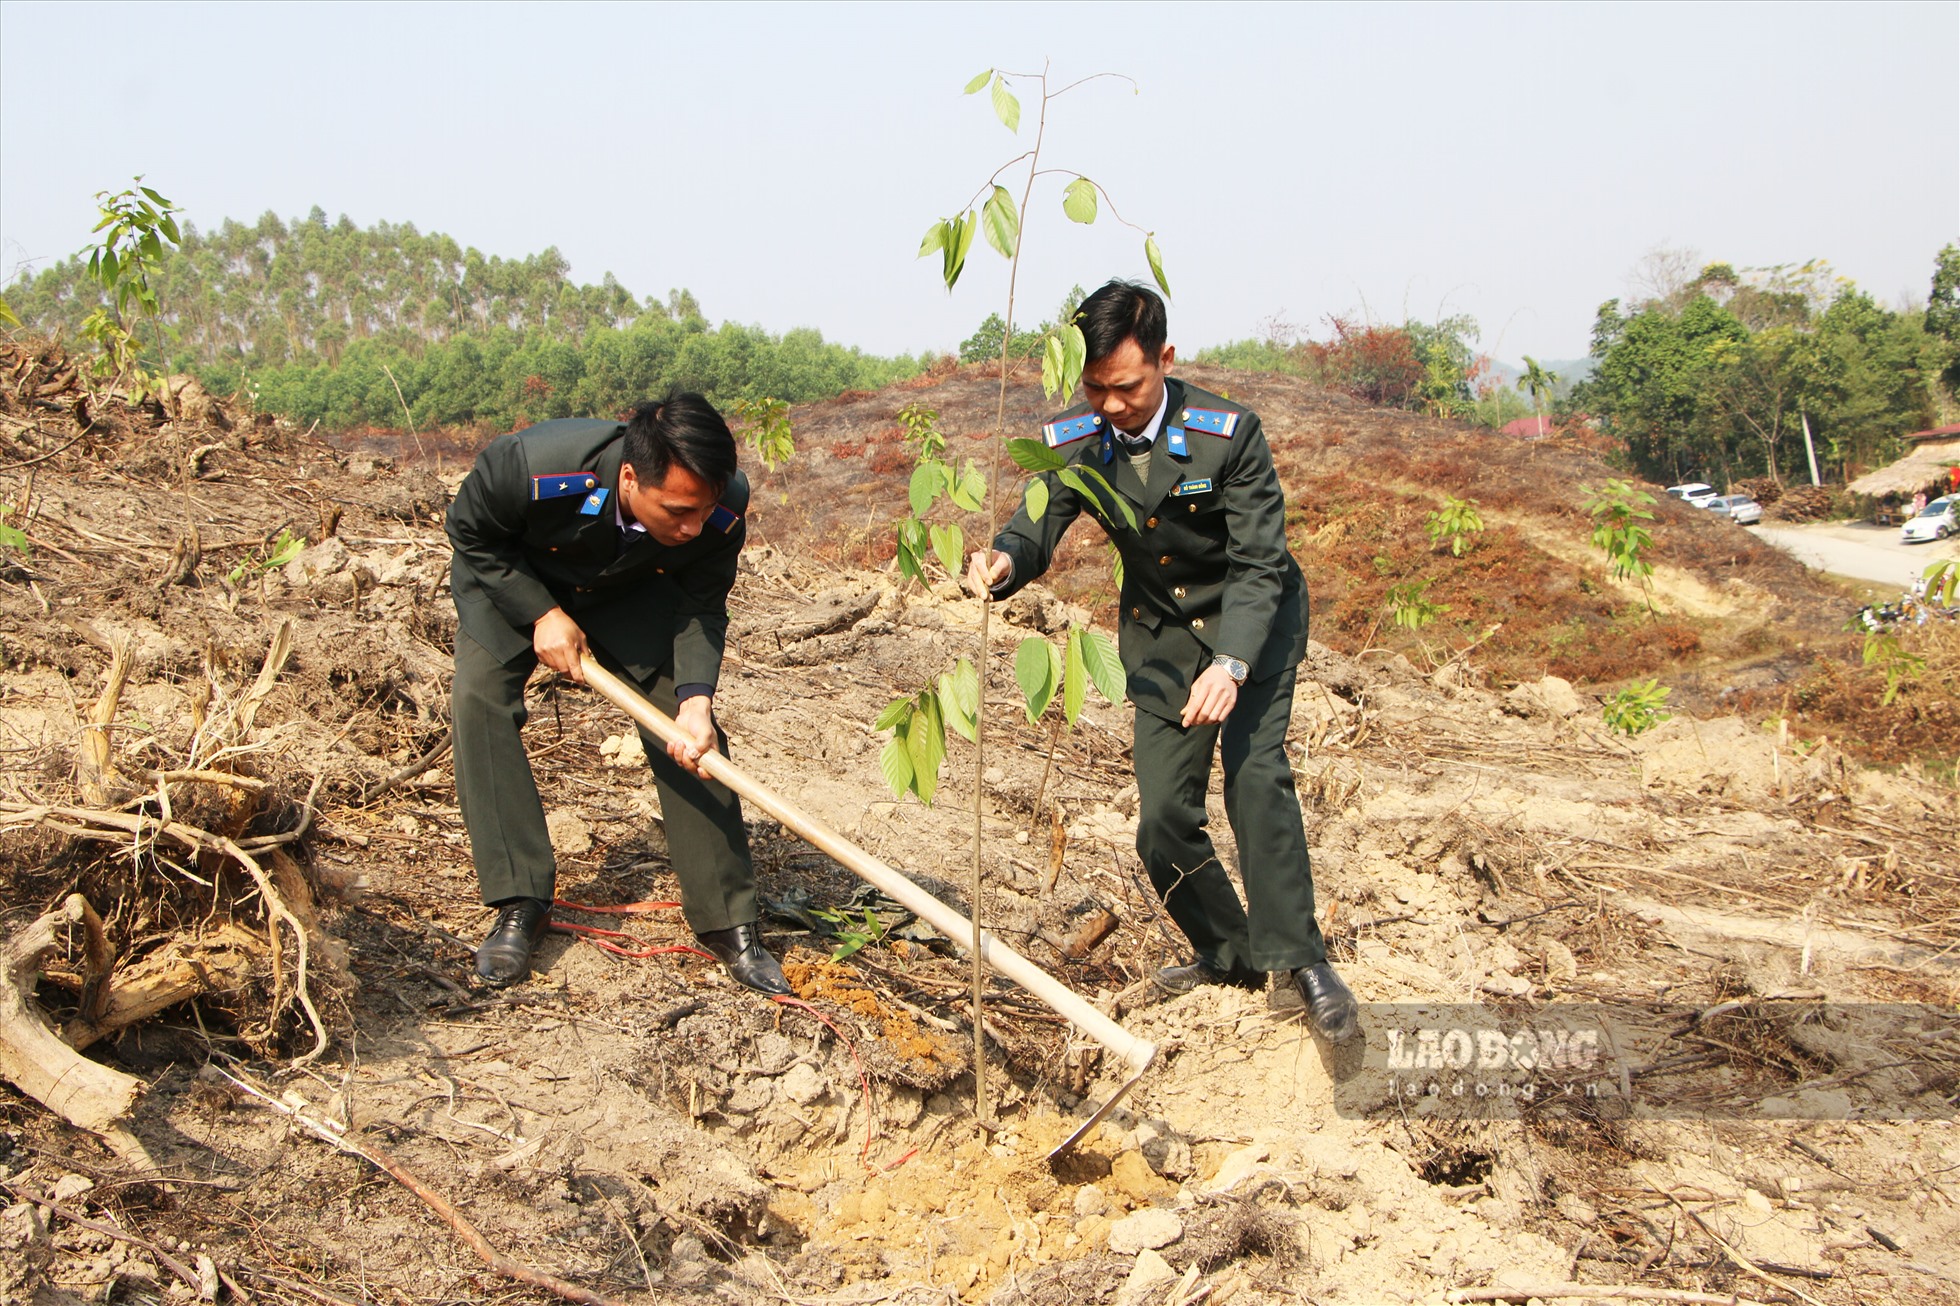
pixel 1186 488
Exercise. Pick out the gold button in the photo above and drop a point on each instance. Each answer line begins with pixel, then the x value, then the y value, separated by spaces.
pixel 1136 614
pixel 1178 592
pixel 554 548
pixel 1190 507
pixel 1164 561
pixel 1150 522
pixel 660 571
pixel 1197 623
pixel 1187 415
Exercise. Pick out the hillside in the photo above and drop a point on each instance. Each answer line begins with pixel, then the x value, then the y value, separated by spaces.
pixel 260 815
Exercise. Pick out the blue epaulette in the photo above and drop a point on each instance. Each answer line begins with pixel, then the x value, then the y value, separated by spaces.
pixel 1212 421
pixel 1057 434
pixel 562 485
pixel 723 518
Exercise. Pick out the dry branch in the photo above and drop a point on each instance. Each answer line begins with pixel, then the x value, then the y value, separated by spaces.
pixel 87 1095
pixel 327 1132
pixel 165 1259
pixel 96 765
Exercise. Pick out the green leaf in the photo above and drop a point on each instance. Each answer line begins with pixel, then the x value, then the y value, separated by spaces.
pixel 924 487
pixel 1036 499
pixel 1035 455
pixel 1006 107
pixel 935 239
pixel 949 542
pixel 1034 672
pixel 169 228
pixel 895 712
pixel 966 689
pixel 1075 678
pixel 7 317
pixel 1075 356
pixel 153 195
pixel 959 240
pixel 908 564
pixel 896 762
pixel 1156 257
pixel 1105 664
pixel 970 492
pixel 979 81
pixel 1051 365
pixel 1080 478
pixel 1079 200
pixel 959 699
pixel 1116 568
pixel 1003 223
pixel 925 743
pixel 110 266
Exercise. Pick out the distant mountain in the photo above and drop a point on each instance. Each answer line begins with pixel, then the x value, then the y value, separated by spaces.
pixel 1569 371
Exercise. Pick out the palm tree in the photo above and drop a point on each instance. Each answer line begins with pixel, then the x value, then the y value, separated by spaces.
pixel 1539 382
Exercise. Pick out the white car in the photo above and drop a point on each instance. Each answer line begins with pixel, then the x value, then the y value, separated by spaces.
pixel 1693 493
pixel 1738 508
pixel 1936 521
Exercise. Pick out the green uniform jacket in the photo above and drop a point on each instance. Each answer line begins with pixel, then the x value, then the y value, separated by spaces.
pixel 528 538
pixel 1206 569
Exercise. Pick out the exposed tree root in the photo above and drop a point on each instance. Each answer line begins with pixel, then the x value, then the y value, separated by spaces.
pixel 86 823
pixel 87 1094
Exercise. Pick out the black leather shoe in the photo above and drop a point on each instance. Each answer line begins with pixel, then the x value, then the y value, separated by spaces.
pixel 1182 979
pixel 1329 1004
pixel 505 957
pixel 739 947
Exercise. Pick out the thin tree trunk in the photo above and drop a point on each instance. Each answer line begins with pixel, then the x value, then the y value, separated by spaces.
pixel 1810 447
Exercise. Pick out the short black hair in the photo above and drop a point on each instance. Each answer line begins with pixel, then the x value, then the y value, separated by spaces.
pixel 682 428
pixel 1123 310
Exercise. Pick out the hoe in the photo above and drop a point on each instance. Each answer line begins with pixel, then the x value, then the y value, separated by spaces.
pixel 1136 1053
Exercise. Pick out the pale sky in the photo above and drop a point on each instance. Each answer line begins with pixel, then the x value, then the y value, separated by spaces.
pixel 1512 162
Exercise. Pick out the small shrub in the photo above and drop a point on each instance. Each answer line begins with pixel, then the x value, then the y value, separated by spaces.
pixel 1636 709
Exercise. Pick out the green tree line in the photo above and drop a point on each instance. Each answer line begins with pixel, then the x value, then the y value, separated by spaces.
pixel 1714 375
pixel 1722 374
pixel 323 321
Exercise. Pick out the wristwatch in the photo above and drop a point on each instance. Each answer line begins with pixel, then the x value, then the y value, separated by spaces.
pixel 1234 668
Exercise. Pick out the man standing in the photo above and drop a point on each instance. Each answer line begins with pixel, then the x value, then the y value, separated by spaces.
pixel 1212 630
pixel 620 540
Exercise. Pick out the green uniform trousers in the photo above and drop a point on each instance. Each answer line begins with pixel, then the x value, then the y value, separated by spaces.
pixel 1173 768
pixel 706 841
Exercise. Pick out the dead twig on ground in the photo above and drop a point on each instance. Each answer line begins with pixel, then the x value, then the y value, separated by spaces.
pixel 1742 1261
pixel 165 1259
pixel 300 1111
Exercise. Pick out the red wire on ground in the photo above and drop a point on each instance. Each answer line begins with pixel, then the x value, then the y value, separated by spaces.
pixel 864 1081
pixel 599 938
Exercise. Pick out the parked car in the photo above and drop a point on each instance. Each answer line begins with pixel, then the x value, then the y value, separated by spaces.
pixel 1738 508
pixel 1936 521
pixel 1693 492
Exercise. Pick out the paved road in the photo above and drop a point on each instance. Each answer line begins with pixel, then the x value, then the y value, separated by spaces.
pixel 1859 550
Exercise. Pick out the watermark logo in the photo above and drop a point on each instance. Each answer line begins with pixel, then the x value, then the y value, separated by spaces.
pixel 1756 1059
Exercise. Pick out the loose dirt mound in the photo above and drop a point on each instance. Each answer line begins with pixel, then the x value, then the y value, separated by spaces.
pixel 1768 928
